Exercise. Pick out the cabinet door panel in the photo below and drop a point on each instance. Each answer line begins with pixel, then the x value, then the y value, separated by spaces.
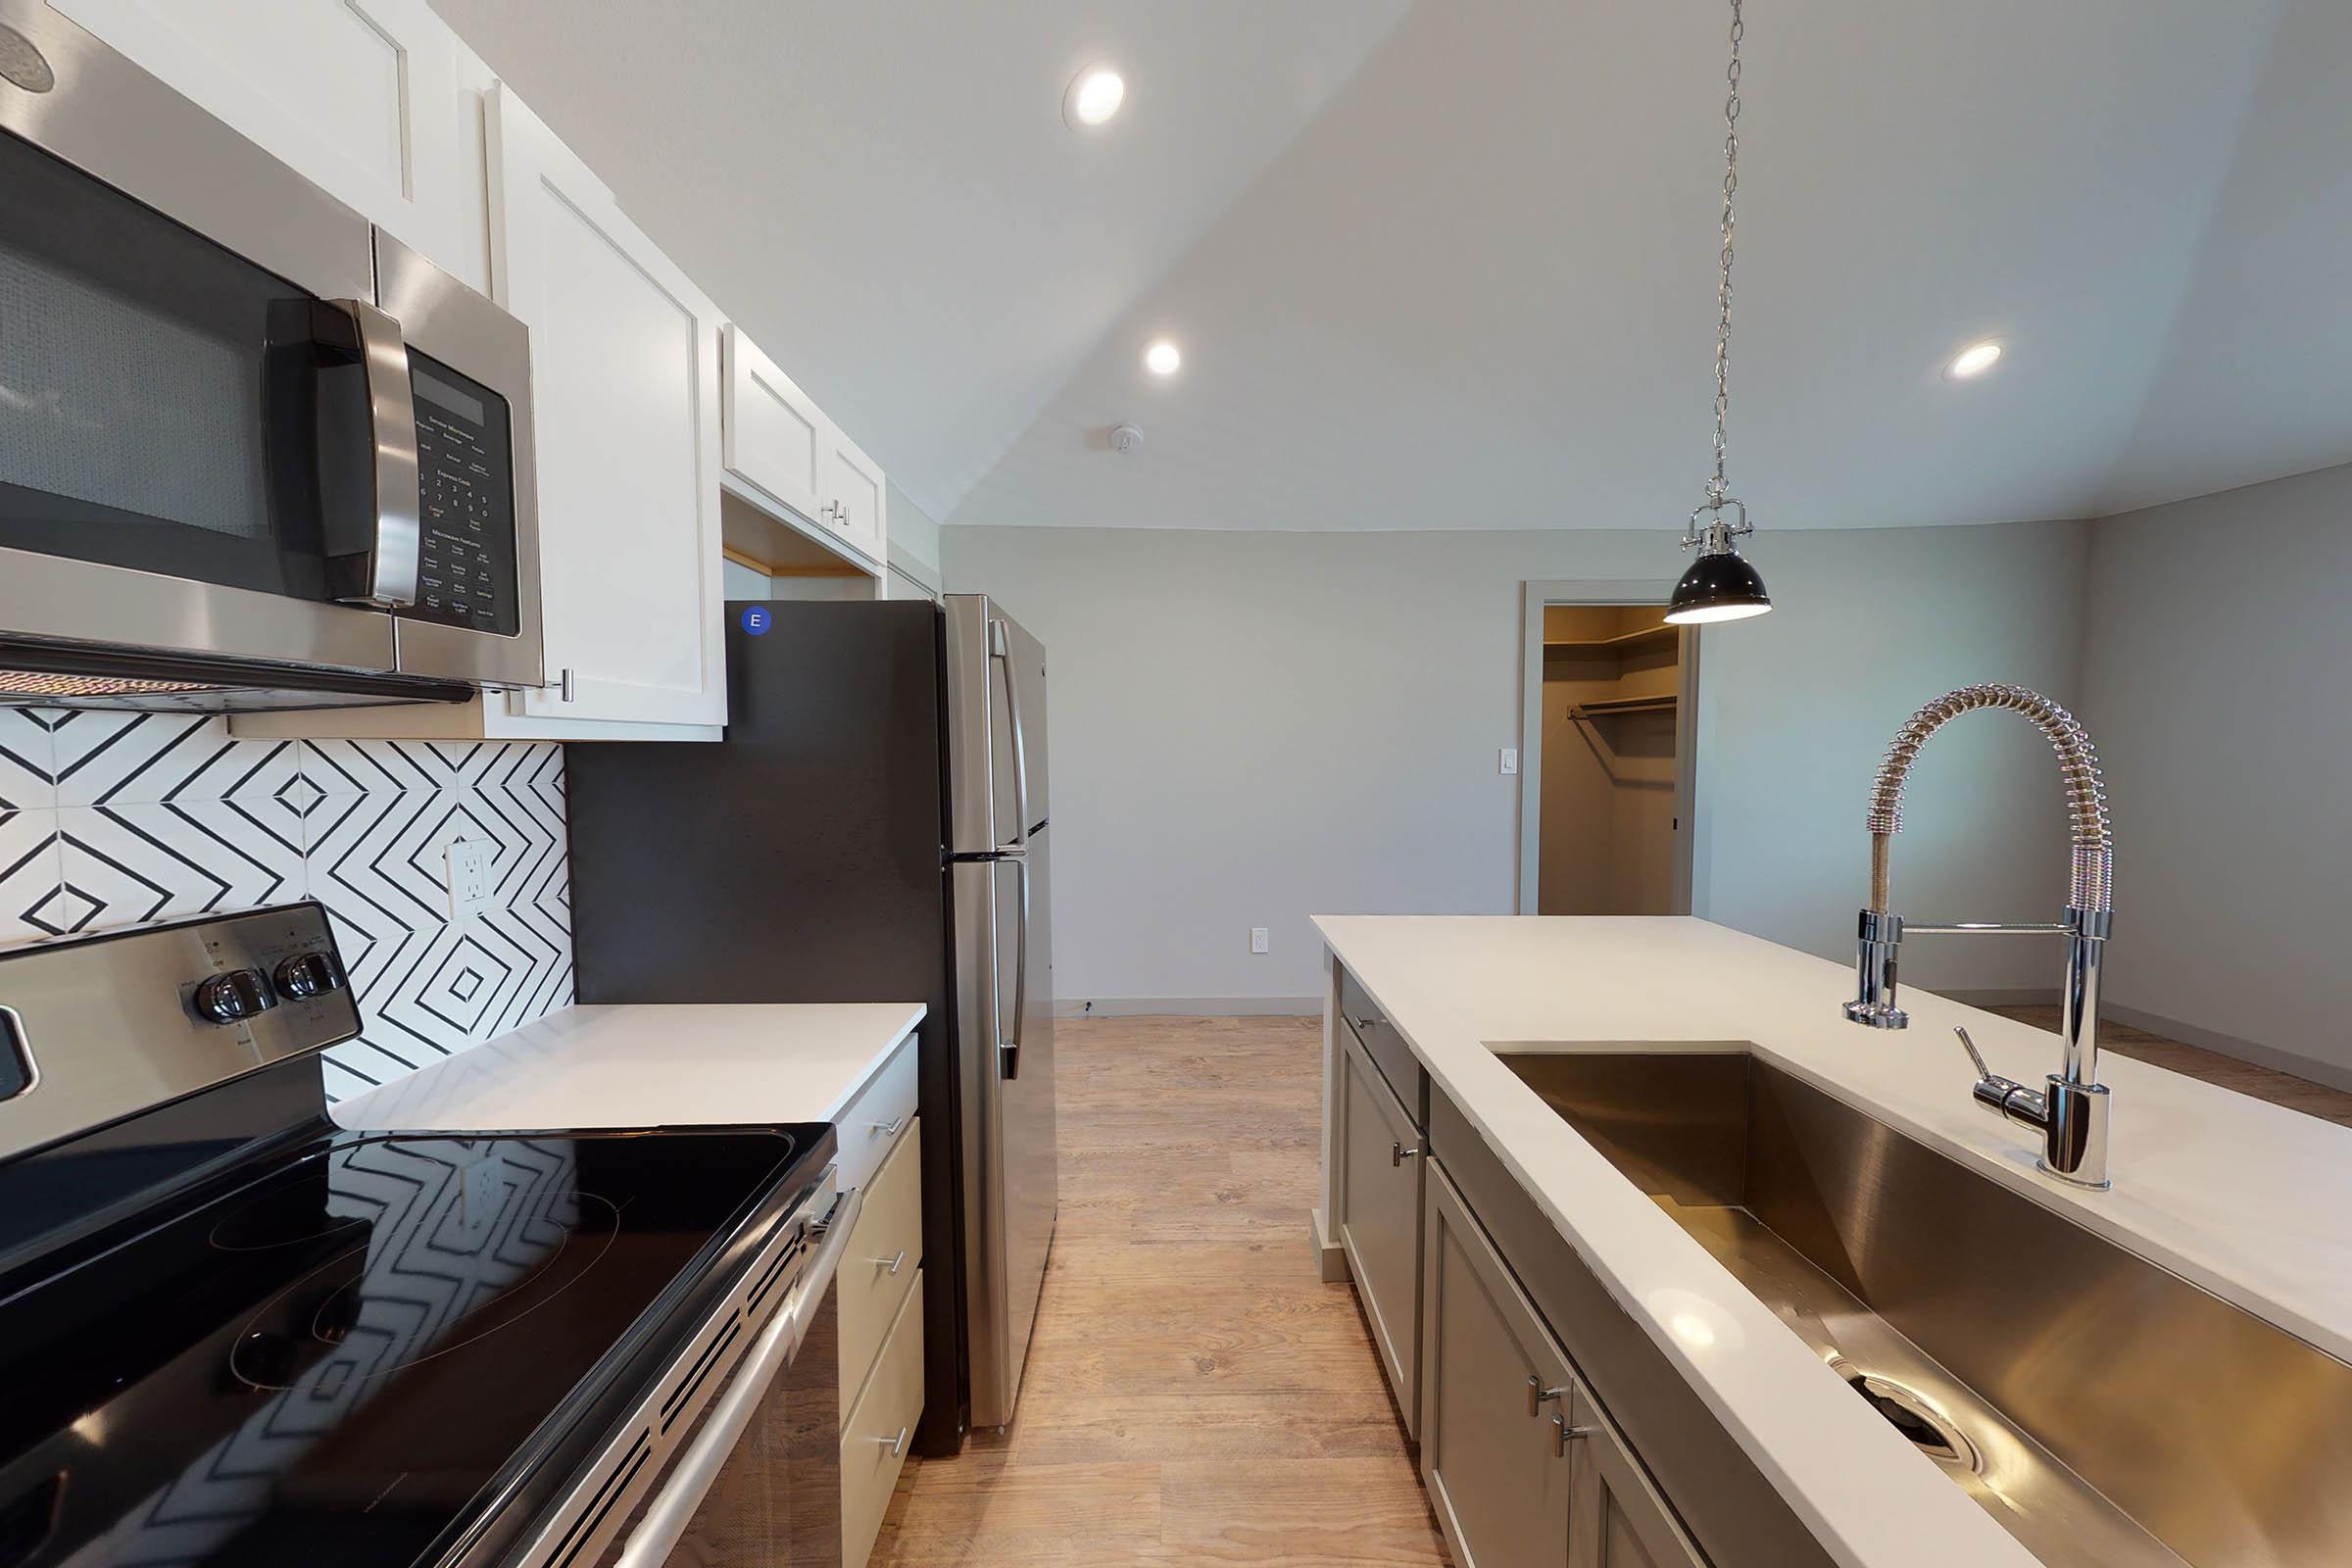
pixel 361 97
pixel 624 363
pixel 857 488
pixel 1380 1222
pixel 1621 1520
pixel 776 438
pixel 1490 1452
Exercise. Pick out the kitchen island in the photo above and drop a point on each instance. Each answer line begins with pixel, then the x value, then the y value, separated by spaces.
pixel 2243 1198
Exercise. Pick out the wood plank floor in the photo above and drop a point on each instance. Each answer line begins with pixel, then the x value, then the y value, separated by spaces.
pixel 1194 1393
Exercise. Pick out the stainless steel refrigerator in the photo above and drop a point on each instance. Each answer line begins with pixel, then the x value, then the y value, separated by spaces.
pixel 874 827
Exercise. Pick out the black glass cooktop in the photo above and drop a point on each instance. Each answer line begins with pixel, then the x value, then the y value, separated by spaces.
pixel 344 1360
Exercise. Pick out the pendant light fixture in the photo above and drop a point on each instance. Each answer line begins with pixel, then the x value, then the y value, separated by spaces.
pixel 1721 586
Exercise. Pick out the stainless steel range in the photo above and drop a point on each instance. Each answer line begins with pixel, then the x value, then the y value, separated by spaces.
pixel 232 1333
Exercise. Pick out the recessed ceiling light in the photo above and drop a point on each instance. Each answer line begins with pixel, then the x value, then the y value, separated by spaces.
pixel 1094 95
pixel 1974 361
pixel 1163 357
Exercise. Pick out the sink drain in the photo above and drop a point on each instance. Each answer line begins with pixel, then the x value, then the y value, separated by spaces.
pixel 1912 1414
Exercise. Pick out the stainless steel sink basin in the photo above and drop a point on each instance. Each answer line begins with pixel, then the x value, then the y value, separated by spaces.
pixel 2105 1410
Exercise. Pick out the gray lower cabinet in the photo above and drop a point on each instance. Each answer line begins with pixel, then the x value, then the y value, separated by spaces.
pixel 1523 1466
pixel 1377 1152
pixel 1495 1393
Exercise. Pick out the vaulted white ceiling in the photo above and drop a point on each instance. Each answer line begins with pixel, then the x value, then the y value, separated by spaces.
pixel 1458 269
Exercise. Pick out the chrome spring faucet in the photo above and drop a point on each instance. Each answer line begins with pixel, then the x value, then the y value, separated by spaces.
pixel 2071 1111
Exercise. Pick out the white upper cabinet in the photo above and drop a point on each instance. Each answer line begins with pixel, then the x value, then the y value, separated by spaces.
pixel 366 99
pixel 626 376
pixel 855 489
pixel 775 437
pixel 787 456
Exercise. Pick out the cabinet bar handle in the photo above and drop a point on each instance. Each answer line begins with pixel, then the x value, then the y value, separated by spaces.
pixel 894 1264
pixel 1538 1396
pixel 888 1129
pixel 1562 1432
pixel 898 1445
pixel 1398 1153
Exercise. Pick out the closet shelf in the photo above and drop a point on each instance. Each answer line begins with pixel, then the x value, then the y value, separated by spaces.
pixel 1604 706
pixel 1624 643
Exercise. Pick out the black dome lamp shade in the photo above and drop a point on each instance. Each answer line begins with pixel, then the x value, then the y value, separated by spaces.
pixel 1720 586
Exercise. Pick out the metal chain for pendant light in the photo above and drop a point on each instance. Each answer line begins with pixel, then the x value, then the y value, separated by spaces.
pixel 1723 330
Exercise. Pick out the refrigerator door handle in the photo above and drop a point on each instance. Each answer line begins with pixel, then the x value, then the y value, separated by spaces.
pixel 1008 1051
pixel 999 653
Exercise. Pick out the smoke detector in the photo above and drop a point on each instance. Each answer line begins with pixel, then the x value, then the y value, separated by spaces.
pixel 1126 439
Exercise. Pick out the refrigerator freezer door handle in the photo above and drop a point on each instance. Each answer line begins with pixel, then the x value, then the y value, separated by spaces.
pixel 1000 652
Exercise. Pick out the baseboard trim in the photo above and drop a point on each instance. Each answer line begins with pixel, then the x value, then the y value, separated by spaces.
pixel 1330 1258
pixel 1189 1006
pixel 2334 1074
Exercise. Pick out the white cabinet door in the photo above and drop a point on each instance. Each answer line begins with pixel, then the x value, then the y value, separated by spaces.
pixel 364 98
pixel 855 486
pixel 775 438
pixel 624 375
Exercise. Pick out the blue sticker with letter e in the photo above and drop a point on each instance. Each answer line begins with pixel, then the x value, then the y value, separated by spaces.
pixel 757 620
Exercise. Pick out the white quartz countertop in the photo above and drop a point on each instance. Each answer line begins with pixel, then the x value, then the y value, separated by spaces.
pixel 2251 1200
pixel 696 1064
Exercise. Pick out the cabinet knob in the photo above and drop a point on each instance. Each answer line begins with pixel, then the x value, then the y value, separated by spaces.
pixel 566 687
pixel 1398 1153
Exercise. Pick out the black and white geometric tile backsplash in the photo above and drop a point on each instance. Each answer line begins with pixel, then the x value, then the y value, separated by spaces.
pixel 111 819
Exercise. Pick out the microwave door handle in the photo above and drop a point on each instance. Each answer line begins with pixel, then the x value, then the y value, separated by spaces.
pixel 382 571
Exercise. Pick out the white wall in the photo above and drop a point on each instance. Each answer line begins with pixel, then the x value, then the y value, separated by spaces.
pixel 1252 728
pixel 2218 689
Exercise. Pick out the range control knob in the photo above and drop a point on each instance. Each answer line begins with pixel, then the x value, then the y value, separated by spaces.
pixel 238 994
pixel 308 974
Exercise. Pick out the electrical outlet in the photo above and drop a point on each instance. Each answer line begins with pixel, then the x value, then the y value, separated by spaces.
pixel 1508 762
pixel 479 1191
pixel 1257 940
pixel 470 876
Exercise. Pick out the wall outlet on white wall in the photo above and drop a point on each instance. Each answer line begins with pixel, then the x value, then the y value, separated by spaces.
pixel 470 876
pixel 1257 940
pixel 1509 760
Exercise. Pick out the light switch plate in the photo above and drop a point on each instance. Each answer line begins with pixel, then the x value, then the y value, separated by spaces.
pixel 1257 940
pixel 470 876
pixel 1508 761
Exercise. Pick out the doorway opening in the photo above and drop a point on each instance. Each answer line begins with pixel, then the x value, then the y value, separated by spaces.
pixel 1608 741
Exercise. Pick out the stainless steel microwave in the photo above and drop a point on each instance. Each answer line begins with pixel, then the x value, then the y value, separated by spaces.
pixel 253 451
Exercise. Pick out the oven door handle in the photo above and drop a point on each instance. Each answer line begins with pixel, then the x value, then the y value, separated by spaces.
pixel 672 1509
pixel 378 565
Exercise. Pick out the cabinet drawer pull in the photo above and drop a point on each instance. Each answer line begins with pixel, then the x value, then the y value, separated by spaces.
pixel 1365 1026
pixel 1398 1153
pixel 1539 1395
pixel 887 1129
pixel 1562 1432
pixel 898 1445
pixel 892 1265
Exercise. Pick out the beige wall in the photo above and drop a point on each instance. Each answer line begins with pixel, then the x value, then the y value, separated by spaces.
pixel 1252 728
pixel 2219 688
